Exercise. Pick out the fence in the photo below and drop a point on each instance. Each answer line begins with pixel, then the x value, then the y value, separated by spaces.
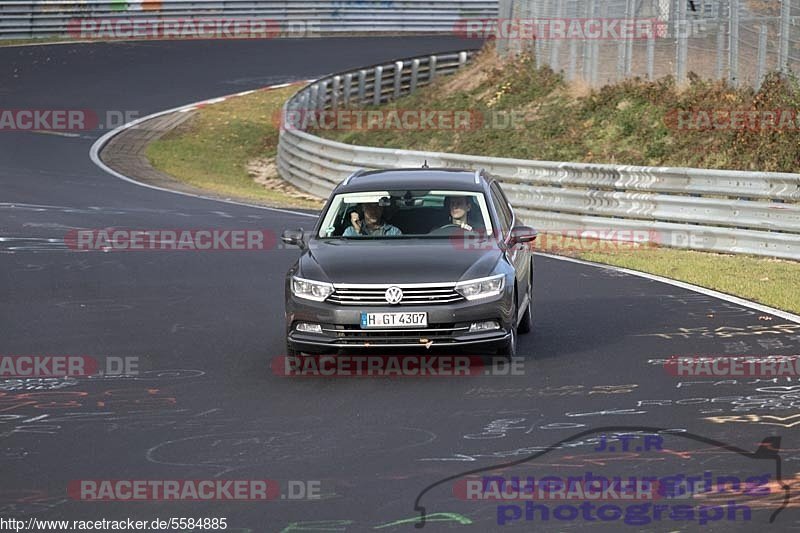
pixel 48 18
pixel 723 211
pixel 736 40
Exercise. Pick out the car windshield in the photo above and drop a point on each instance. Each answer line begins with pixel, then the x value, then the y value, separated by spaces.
pixel 404 213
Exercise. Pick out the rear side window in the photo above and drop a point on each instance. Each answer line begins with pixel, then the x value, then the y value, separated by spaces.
pixel 501 206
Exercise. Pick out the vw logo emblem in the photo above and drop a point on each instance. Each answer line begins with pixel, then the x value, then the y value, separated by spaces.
pixel 393 295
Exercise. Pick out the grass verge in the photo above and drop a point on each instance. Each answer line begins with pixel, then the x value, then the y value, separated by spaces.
pixel 515 110
pixel 771 282
pixel 632 122
pixel 215 150
pixel 38 40
pixel 229 147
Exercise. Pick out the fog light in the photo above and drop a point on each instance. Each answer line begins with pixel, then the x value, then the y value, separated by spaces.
pixel 305 327
pixel 484 326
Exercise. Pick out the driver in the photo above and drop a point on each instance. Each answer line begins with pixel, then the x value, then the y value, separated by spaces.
pixel 373 223
pixel 459 207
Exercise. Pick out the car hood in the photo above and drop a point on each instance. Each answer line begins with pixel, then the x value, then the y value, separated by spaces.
pixel 396 261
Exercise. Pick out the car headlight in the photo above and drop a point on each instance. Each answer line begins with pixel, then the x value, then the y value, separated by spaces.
pixel 481 288
pixel 311 290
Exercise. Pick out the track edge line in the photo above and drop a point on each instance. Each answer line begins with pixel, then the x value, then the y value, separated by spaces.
pixel 97 146
pixel 684 285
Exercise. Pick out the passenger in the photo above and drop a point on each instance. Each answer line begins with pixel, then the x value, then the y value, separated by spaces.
pixel 459 207
pixel 373 223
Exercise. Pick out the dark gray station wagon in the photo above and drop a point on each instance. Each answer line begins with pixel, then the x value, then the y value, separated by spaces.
pixel 412 258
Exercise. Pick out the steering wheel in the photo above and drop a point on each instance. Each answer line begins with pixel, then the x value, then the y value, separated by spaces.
pixel 447 228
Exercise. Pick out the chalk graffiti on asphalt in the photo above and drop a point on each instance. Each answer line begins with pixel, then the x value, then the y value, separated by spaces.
pixel 726 332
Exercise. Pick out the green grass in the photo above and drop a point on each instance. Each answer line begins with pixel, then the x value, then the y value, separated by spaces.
pixel 626 123
pixel 633 122
pixel 38 40
pixel 213 149
pixel 771 282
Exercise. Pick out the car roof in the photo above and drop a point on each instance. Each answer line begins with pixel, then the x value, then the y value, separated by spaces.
pixel 414 179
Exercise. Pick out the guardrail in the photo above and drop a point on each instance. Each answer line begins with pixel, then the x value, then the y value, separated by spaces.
pixel 48 18
pixel 713 210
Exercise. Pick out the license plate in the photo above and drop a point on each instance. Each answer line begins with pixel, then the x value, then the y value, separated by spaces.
pixel 394 320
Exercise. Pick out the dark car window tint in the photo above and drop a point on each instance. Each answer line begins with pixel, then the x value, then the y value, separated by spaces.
pixel 503 213
pixel 505 204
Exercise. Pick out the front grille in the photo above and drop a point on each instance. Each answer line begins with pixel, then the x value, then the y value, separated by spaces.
pixel 412 294
pixel 435 333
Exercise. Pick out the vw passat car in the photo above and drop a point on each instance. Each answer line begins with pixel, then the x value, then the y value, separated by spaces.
pixel 411 258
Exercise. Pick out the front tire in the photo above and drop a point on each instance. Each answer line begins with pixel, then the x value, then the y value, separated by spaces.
pixel 509 349
pixel 526 323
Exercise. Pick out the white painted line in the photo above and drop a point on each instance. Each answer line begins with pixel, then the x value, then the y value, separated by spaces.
pixel 94 154
pixel 59 133
pixel 683 285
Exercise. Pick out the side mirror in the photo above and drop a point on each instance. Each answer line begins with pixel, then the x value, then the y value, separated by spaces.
pixel 293 237
pixel 523 234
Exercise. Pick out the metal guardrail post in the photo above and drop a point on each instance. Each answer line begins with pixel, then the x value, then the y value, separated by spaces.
pixel 362 86
pixel 377 86
pixel 398 79
pixel 431 68
pixel 714 210
pixel 348 88
pixel 46 18
pixel 314 97
pixel 412 84
pixel 336 87
pixel 322 96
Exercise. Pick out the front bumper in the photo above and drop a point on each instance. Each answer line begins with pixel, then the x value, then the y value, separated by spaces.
pixel 448 325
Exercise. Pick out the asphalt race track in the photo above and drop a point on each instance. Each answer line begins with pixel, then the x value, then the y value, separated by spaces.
pixel 205 326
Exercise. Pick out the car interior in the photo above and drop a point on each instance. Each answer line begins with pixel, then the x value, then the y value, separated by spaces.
pixel 412 215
